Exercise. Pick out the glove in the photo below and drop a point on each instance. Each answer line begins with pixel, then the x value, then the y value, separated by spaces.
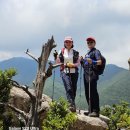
pixel 70 65
pixel 81 60
pixel 89 60
pixel 86 62
pixel 55 54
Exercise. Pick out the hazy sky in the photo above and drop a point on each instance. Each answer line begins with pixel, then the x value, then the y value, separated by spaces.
pixel 30 23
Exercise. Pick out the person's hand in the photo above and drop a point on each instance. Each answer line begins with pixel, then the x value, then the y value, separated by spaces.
pixel 55 55
pixel 81 60
pixel 89 60
pixel 70 65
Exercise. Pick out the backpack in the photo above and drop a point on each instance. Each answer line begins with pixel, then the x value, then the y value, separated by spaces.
pixel 100 68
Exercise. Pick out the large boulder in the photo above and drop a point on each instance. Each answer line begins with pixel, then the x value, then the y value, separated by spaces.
pixel 21 100
pixel 90 123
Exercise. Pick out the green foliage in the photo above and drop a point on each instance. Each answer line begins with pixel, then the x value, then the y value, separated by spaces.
pixel 59 117
pixel 115 89
pixel 5 86
pixel 1 125
pixel 119 115
pixel 112 87
pixel 10 119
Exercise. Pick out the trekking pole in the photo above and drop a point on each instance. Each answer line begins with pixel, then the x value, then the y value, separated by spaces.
pixel 81 63
pixel 89 91
pixel 55 56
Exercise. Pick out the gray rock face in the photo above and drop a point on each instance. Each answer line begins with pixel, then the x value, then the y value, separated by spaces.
pixel 21 100
pixel 90 123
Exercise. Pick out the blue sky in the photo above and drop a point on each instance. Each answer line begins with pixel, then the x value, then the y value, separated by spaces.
pixel 30 23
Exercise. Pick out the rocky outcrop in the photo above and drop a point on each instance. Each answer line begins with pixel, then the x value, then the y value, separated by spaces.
pixel 21 100
pixel 90 123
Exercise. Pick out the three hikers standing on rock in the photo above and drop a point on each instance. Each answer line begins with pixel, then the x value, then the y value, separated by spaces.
pixel 69 73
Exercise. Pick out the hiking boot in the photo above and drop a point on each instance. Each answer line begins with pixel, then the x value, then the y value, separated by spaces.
pixel 72 109
pixel 86 113
pixel 94 114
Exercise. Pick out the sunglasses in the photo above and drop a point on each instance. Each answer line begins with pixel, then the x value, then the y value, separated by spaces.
pixel 90 42
pixel 68 42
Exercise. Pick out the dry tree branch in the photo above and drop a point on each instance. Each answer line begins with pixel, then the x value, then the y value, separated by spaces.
pixel 31 55
pixel 22 113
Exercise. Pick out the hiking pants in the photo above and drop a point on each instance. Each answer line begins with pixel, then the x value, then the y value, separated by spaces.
pixel 70 84
pixel 94 97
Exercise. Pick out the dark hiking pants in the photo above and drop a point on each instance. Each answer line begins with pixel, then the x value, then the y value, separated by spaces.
pixel 94 94
pixel 70 84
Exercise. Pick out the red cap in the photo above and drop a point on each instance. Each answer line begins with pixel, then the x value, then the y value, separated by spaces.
pixel 68 38
pixel 91 39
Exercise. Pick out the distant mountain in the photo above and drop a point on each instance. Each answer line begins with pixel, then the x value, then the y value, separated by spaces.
pixel 110 71
pixel 26 68
pixel 113 86
pixel 26 73
pixel 116 89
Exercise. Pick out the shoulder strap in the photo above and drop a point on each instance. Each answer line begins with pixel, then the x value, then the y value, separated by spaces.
pixel 75 52
pixel 62 51
pixel 75 56
pixel 61 55
pixel 92 50
pixel 98 51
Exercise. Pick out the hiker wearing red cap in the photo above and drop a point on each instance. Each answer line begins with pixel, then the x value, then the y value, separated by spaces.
pixel 90 64
pixel 69 70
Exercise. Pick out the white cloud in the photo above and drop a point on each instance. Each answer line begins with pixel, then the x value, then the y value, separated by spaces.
pixel 5 55
pixel 29 23
pixel 120 6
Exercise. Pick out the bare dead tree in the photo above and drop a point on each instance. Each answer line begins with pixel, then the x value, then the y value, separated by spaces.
pixel 41 77
pixel 32 117
pixel 129 63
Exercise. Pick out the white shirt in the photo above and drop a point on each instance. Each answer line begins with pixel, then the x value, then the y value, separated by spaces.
pixel 68 57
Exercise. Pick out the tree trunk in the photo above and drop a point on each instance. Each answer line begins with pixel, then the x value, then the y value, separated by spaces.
pixel 32 118
pixel 129 63
pixel 41 77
